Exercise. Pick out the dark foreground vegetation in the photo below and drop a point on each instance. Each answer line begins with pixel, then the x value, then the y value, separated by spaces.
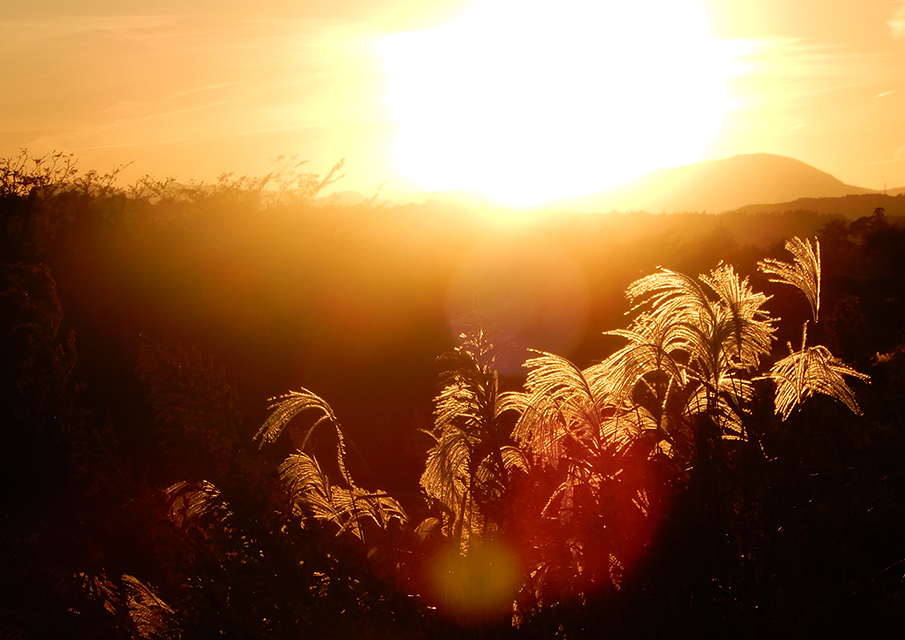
pixel 726 460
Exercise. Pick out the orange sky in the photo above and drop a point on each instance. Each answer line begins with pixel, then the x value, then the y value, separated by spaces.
pixel 194 88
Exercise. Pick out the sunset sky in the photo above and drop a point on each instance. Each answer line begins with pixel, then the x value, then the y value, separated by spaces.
pixel 523 100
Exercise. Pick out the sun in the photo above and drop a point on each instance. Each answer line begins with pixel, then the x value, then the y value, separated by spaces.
pixel 527 101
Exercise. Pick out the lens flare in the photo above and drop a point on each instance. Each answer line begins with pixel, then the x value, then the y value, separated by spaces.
pixel 476 585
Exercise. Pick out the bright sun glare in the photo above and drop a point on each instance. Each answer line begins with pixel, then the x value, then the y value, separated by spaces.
pixel 527 101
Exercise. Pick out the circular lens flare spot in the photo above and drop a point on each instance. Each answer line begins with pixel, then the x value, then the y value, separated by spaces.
pixel 479 584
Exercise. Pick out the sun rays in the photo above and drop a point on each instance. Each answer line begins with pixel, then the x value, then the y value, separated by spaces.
pixel 527 106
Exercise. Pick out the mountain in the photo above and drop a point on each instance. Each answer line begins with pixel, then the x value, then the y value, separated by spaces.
pixel 715 186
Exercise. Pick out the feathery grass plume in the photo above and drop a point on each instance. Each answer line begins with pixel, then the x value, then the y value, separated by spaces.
pixel 675 316
pixel 729 333
pixel 561 403
pixel 732 331
pixel 200 506
pixel 689 352
pixel 152 617
pixel 447 480
pixel 582 435
pixel 314 496
pixel 743 329
pixel 137 610
pixel 812 370
pixel 308 486
pixel 469 466
pixel 654 347
pixel 681 386
pixel 284 408
pixel 568 414
pixel 192 502
pixel 690 346
pixel 803 273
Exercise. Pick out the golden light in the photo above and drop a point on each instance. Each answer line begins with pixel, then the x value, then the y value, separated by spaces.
pixel 478 585
pixel 529 101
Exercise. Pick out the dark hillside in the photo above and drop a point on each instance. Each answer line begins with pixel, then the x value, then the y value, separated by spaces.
pixel 357 302
pixel 850 206
pixel 144 330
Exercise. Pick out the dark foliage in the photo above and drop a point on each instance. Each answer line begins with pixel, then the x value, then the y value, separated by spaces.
pixel 139 505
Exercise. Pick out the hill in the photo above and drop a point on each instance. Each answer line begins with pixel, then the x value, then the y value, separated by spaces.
pixel 760 182
pixel 851 206
pixel 715 186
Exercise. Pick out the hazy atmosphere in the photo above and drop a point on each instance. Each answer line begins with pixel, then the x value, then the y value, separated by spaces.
pixel 486 320
pixel 520 100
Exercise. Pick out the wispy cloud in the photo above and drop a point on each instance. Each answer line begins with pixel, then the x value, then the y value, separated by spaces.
pixel 897 22
pixel 796 69
pixel 32 33
pixel 173 113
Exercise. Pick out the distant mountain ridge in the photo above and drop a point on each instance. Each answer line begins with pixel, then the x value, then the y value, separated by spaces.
pixel 715 186
pixel 852 206
pixel 759 182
